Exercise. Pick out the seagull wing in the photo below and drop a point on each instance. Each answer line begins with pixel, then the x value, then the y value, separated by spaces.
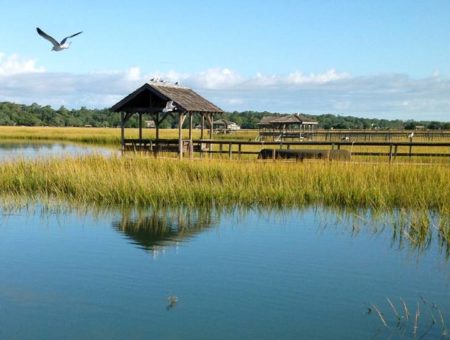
pixel 46 36
pixel 70 36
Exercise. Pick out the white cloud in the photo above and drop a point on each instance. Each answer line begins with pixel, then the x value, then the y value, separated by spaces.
pixel 321 78
pixel 133 74
pixel 216 78
pixel 383 96
pixel 13 64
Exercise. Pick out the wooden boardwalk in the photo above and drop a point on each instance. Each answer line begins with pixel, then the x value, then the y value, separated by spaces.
pixel 360 135
pixel 235 149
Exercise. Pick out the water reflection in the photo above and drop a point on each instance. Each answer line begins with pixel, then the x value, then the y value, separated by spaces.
pixel 282 273
pixel 414 230
pixel 11 150
pixel 153 230
pixel 156 229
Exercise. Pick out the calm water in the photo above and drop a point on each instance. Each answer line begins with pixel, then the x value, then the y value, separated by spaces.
pixel 312 274
pixel 12 150
pixel 244 274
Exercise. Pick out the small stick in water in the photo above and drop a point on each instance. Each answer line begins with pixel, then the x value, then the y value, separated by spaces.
pixel 380 315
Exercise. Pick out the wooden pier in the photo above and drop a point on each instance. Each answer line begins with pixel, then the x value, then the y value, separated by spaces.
pixel 360 135
pixel 235 149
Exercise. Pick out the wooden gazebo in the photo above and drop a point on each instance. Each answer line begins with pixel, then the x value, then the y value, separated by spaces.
pixel 159 100
pixel 287 126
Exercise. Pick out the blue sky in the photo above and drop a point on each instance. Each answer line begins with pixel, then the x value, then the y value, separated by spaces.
pixel 385 59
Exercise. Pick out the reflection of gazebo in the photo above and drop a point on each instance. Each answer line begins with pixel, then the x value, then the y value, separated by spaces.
pixel 158 229
pixel 159 100
pixel 289 126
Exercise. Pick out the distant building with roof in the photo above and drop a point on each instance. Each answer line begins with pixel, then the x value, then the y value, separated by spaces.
pixel 288 126
pixel 225 126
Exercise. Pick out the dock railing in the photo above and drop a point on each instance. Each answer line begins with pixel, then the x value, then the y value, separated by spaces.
pixel 235 149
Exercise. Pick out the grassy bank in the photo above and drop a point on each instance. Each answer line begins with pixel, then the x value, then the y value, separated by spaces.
pixel 143 181
pixel 105 136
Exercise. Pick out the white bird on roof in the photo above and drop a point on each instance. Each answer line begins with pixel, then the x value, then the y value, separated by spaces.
pixel 170 106
pixel 57 46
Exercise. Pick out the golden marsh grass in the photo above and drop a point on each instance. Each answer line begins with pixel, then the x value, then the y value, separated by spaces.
pixel 142 181
pixel 83 135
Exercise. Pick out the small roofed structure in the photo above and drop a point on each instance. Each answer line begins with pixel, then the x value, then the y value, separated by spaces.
pixel 288 126
pixel 225 126
pixel 159 100
pixel 149 124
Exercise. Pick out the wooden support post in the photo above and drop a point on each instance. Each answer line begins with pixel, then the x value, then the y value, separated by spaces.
pixel 211 125
pixel 390 153
pixel 230 151
pixel 202 131
pixel 140 130
pixel 157 122
pixel 190 125
pixel 122 130
pixel 410 149
pixel 191 146
pixel 239 150
pixel 210 117
pixel 181 118
pixel 274 154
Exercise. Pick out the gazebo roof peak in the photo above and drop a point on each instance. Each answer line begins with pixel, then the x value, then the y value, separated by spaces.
pixel 162 82
pixel 154 94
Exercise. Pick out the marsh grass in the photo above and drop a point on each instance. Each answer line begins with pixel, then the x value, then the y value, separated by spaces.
pixel 100 136
pixel 141 180
pixel 428 321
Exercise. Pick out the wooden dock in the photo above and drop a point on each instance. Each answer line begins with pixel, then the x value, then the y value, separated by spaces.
pixel 360 135
pixel 235 149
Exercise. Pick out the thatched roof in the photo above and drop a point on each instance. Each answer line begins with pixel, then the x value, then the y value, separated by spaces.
pixel 153 96
pixel 289 119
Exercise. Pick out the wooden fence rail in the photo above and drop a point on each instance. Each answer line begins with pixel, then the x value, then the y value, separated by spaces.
pixel 235 148
pixel 362 135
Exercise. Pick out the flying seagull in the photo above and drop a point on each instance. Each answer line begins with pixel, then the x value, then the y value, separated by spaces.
pixel 64 44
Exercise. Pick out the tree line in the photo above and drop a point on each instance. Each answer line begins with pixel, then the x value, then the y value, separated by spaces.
pixel 36 115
